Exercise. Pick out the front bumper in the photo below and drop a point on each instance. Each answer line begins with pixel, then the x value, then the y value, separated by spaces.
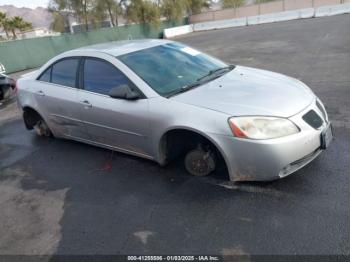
pixel 263 160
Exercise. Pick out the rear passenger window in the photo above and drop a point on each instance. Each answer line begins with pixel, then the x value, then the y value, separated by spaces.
pixel 64 72
pixel 46 76
pixel 101 76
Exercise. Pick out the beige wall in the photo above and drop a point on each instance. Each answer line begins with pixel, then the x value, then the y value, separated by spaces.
pixel 297 4
pixel 266 8
pixel 249 10
pixel 244 11
pixel 208 16
pixel 225 14
pixel 326 2
pixel 272 7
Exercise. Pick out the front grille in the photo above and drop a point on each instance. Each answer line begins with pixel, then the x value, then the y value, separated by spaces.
pixel 313 119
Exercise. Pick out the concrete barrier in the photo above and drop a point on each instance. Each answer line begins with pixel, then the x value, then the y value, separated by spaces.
pixel 260 19
pixel 332 10
pixel 253 20
pixel 307 13
pixel 287 15
pixel 271 18
pixel 220 24
pixel 180 30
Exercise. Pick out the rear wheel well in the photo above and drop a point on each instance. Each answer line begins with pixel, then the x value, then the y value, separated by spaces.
pixel 3 91
pixel 30 117
pixel 175 143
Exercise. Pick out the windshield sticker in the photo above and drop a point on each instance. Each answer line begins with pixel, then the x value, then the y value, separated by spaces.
pixel 190 51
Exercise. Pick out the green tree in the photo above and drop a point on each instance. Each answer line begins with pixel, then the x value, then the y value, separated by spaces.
pixel 196 6
pixel 232 3
pixel 4 24
pixel 17 23
pixel 24 26
pixel 7 25
pixel 59 22
pixel 82 10
pixel 60 12
pixel 143 11
pixel 111 8
pixel 174 9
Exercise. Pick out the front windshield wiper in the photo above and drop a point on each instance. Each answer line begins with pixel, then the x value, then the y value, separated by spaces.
pixel 215 73
pixel 184 88
pixel 221 70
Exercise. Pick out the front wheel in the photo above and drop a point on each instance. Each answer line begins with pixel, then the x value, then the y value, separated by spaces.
pixel 42 128
pixel 199 162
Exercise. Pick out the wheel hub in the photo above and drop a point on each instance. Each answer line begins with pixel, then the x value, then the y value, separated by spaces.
pixel 199 162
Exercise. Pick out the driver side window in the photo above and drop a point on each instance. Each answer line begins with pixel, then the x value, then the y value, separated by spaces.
pixel 100 76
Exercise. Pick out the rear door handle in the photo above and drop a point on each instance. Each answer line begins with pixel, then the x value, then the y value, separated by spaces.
pixel 40 93
pixel 86 103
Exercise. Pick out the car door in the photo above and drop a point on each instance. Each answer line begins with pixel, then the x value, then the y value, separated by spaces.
pixel 56 94
pixel 119 123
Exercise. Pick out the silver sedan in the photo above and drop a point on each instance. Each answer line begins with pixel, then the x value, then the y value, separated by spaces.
pixel 161 100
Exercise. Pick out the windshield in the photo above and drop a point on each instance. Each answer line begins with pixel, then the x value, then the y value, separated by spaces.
pixel 170 67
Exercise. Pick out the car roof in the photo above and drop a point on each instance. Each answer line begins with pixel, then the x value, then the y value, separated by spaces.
pixel 117 48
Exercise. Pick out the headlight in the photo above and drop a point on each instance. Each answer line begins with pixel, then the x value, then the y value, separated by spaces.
pixel 261 127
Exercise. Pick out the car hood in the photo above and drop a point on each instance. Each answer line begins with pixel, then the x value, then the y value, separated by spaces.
pixel 250 91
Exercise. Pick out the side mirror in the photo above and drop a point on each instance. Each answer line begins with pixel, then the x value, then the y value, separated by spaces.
pixel 123 92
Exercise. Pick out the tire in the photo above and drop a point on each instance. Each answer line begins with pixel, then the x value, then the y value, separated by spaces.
pixel 199 162
pixel 5 92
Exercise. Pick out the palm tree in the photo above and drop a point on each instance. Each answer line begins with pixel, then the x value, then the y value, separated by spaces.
pixel 7 26
pixel 25 26
pixel 4 23
pixel 11 23
pixel 18 23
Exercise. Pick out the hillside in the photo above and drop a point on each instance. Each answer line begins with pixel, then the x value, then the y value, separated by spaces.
pixel 39 17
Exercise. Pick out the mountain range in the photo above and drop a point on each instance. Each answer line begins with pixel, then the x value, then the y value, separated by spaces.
pixel 39 17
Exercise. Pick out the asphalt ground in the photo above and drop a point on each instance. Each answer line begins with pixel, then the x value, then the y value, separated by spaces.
pixel 63 197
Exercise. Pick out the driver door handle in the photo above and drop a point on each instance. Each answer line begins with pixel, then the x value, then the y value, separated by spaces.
pixel 86 103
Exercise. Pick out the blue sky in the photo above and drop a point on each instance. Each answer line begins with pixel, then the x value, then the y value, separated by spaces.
pixel 25 3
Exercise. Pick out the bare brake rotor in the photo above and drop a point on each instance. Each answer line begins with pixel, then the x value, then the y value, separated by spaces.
pixel 199 162
pixel 42 129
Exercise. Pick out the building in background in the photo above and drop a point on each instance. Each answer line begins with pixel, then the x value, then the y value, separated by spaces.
pixel 37 32
pixel 79 28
